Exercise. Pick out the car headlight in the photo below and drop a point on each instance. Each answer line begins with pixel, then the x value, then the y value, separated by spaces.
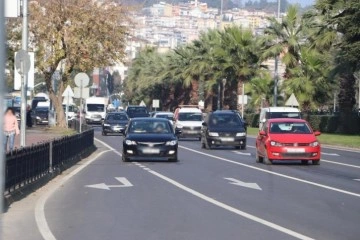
pixel 106 125
pixel 130 142
pixel 213 134
pixel 38 118
pixel 241 134
pixel 179 126
pixel 171 143
pixel 275 144
pixel 314 144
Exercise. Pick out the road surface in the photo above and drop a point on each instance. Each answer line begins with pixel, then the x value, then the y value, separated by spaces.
pixel 209 194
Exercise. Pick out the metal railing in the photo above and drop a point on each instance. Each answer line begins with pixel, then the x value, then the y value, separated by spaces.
pixel 30 164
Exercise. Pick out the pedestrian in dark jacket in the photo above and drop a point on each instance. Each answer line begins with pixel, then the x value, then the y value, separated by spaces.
pixel 29 122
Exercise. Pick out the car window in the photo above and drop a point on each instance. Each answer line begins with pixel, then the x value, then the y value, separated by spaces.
pixel 290 128
pixel 283 115
pixel 218 120
pixel 117 117
pixel 190 117
pixel 167 116
pixel 144 126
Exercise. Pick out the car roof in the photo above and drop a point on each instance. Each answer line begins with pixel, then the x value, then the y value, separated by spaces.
pixel 281 109
pixel 150 119
pixel 156 113
pixel 286 120
pixel 189 110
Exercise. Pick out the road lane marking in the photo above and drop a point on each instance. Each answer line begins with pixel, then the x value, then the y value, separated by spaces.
pixel 230 208
pixel 330 154
pixel 242 153
pixel 40 218
pixel 357 180
pixel 243 184
pixel 342 164
pixel 124 184
pixel 250 146
pixel 275 173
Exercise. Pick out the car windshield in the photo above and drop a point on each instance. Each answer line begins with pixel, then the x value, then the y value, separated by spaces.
pixel 71 108
pixel 137 110
pixel 95 107
pixel 290 128
pixel 221 120
pixel 190 117
pixel 116 117
pixel 284 115
pixel 149 127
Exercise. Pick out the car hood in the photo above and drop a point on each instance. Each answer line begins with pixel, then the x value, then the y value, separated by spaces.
pixel 190 123
pixel 116 122
pixel 150 137
pixel 226 129
pixel 291 138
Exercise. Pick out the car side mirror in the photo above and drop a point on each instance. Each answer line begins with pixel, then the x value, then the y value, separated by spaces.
pixel 317 133
pixel 178 131
pixel 262 133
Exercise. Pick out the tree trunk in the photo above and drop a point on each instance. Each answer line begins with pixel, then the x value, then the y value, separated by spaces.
pixel 194 95
pixel 239 92
pixel 57 100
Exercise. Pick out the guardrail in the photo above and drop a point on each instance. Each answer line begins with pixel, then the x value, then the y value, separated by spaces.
pixel 30 164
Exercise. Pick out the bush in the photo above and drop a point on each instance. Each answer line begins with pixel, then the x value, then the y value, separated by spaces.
pixel 332 124
pixel 252 119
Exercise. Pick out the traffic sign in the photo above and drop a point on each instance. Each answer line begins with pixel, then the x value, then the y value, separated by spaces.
pixel 142 103
pixel 156 103
pixel 68 92
pixel 22 62
pixel 85 93
pixel 81 79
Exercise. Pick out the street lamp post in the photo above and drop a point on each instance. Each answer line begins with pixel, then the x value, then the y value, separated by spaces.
pixel 277 62
pixel 223 93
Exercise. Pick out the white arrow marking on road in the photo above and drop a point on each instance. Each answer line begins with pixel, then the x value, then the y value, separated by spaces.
pixel 243 184
pixel 124 183
pixel 242 153
pixel 330 154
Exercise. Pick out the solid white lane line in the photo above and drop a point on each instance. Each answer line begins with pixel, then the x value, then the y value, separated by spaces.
pixel 357 180
pixel 230 208
pixel 275 173
pixel 108 146
pixel 250 146
pixel 342 164
pixel 40 218
pixel 330 154
pixel 242 153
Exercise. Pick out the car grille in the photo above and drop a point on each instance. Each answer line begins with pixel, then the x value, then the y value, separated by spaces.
pixel 192 128
pixel 296 144
pixel 151 144
pixel 96 116
pixel 227 134
pixel 292 155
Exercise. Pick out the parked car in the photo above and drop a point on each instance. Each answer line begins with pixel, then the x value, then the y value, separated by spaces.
pixel 167 115
pixel 223 128
pixel 41 115
pixel 115 122
pixel 137 111
pixel 287 139
pixel 150 139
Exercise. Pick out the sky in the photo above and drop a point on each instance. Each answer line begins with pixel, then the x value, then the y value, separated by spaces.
pixel 302 2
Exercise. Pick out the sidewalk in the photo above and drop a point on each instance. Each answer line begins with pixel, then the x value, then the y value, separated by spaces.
pixel 38 134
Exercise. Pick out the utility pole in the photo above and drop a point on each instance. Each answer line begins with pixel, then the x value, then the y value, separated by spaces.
pixel 2 92
pixel 24 46
pixel 276 63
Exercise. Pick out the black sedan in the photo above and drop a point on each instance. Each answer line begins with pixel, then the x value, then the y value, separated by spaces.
pixel 150 139
pixel 115 122
pixel 223 128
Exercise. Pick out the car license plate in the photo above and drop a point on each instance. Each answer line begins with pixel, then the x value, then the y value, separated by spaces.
pixel 295 150
pixel 150 151
pixel 227 139
pixel 191 132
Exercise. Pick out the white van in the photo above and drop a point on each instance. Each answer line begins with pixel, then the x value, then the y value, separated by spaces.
pixel 95 109
pixel 189 119
pixel 278 112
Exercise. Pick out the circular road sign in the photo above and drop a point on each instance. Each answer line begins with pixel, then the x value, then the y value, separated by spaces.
pixel 81 79
pixel 22 62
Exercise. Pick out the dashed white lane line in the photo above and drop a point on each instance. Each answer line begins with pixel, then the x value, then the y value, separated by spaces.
pixel 40 218
pixel 274 173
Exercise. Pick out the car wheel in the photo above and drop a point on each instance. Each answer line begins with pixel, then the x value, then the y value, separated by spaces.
pixel 123 158
pixel 199 138
pixel 316 162
pixel 237 147
pixel 304 162
pixel 258 158
pixel 207 144
pixel 173 159
pixel 266 160
pixel 243 147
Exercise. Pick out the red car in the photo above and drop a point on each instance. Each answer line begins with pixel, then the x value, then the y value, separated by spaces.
pixel 287 139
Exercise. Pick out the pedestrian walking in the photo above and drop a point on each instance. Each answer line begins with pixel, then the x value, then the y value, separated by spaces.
pixel 29 122
pixel 11 128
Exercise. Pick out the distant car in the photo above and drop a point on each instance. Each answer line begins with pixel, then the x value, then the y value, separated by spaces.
pixel 189 120
pixel 137 111
pixel 167 115
pixel 150 139
pixel 41 115
pixel 223 128
pixel 115 122
pixel 287 139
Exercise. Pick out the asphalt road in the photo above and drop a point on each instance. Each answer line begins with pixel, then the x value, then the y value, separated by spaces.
pixel 208 195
